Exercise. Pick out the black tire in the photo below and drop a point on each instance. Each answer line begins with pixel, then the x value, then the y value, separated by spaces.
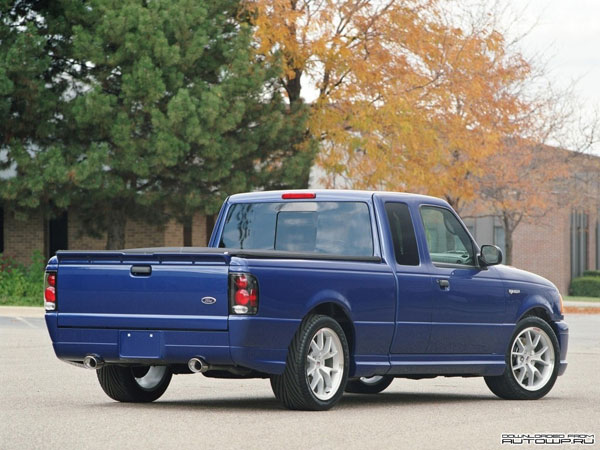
pixel 366 386
pixel 293 388
pixel 119 383
pixel 506 386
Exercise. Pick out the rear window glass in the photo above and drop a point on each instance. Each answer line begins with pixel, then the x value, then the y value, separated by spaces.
pixel 335 228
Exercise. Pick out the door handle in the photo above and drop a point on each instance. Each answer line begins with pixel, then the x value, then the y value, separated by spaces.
pixel 141 271
pixel 444 284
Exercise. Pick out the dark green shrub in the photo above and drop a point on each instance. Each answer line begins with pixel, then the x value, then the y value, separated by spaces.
pixel 20 284
pixel 585 287
pixel 591 273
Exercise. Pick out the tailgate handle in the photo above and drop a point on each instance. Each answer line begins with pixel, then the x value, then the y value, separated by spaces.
pixel 141 271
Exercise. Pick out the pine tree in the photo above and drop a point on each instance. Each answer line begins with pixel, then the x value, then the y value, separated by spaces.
pixel 167 111
pixel 36 76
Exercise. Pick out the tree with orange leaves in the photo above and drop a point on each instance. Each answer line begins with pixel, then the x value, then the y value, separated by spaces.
pixel 412 95
pixel 523 183
pixel 357 55
pixel 405 99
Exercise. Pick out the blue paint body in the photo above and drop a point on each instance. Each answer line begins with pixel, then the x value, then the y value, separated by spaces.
pixel 400 321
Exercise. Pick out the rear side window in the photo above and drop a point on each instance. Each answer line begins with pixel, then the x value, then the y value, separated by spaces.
pixel 335 228
pixel 403 234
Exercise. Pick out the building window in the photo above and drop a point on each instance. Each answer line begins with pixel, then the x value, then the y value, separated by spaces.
pixel 579 243
pixel 1 230
pixel 499 238
pixel 58 238
pixel 210 225
pixel 187 233
pixel 598 242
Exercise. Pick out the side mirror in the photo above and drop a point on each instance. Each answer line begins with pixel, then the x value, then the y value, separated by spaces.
pixel 490 255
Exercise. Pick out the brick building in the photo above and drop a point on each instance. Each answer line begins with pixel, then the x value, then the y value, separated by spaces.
pixel 566 241
pixel 559 246
pixel 20 238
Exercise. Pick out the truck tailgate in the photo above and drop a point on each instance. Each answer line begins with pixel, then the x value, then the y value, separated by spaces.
pixel 143 291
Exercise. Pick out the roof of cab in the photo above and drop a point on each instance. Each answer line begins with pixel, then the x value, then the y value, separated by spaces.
pixel 333 195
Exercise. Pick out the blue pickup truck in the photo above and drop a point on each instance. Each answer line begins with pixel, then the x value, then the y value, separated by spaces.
pixel 321 292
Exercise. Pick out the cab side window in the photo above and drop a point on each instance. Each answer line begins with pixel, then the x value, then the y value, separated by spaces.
pixel 403 234
pixel 447 240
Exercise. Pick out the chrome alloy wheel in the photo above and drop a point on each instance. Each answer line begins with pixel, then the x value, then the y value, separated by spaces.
pixel 325 364
pixel 152 378
pixel 532 358
pixel 371 380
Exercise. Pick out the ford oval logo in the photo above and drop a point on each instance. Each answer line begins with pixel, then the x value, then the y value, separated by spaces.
pixel 209 300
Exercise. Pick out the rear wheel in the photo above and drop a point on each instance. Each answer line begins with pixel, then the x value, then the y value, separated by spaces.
pixel 134 384
pixel 316 369
pixel 369 385
pixel 532 361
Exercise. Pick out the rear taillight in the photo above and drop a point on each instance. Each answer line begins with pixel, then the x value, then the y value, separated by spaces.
pixel 243 294
pixel 50 291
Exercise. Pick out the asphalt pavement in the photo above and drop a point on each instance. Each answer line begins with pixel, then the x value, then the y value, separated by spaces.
pixel 45 403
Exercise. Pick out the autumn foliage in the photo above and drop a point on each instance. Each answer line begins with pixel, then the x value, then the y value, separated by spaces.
pixel 405 98
pixel 524 182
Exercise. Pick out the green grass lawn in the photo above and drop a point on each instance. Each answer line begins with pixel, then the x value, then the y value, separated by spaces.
pixel 581 299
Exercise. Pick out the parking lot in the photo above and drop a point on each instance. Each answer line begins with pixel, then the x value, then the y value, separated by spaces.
pixel 45 403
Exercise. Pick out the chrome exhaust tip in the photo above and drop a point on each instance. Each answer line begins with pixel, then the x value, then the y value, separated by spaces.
pixel 93 362
pixel 197 365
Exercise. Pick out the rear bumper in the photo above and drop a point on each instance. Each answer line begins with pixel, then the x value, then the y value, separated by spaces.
pixel 164 346
pixel 255 343
pixel 563 339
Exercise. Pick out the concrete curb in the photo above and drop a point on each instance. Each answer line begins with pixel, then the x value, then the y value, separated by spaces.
pixel 583 304
pixel 22 311
pixel 582 307
pixel 581 310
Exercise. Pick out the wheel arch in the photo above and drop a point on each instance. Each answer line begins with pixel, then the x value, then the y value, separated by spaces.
pixel 544 313
pixel 535 305
pixel 538 311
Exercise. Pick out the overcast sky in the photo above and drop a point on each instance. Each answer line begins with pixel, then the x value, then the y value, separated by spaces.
pixel 568 33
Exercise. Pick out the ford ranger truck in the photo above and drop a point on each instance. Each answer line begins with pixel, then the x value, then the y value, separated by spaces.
pixel 319 291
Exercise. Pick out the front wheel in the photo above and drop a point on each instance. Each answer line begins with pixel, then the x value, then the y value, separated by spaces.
pixel 369 385
pixel 532 361
pixel 134 384
pixel 316 369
